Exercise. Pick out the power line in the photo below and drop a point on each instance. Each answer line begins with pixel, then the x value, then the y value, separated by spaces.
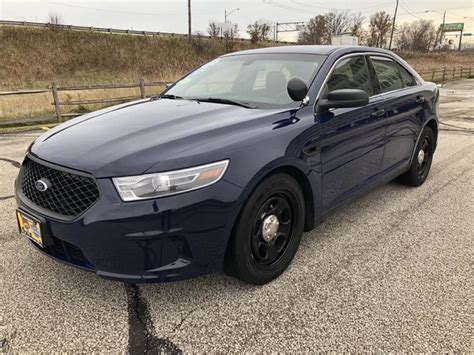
pixel 118 11
pixel 299 9
pixel 283 6
pixel 345 8
pixel 452 8
pixel 412 13
pixel 409 12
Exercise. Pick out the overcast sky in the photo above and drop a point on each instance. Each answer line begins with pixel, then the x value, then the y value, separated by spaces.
pixel 171 15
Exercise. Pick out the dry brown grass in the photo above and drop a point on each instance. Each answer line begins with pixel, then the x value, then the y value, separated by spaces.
pixel 33 58
pixel 438 60
pixel 40 105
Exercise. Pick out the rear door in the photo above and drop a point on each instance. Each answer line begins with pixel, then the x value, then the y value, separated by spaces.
pixel 352 138
pixel 404 107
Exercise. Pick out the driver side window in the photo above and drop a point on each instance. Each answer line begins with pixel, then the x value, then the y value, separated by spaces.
pixel 350 73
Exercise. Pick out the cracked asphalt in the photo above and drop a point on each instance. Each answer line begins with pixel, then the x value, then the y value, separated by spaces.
pixel 392 271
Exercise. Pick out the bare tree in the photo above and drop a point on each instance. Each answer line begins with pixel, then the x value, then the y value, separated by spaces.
pixel 424 35
pixel 418 36
pixel 259 31
pixel 357 25
pixel 315 31
pixel 403 38
pixel 229 35
pixel 213 30
pixel 380 25
pixel 338 21
pixel 55 20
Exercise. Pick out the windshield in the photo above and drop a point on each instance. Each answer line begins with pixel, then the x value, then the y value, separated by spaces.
pixel 256 80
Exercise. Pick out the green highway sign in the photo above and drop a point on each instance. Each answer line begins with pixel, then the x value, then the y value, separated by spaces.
pixel 451 27
pixel 467 34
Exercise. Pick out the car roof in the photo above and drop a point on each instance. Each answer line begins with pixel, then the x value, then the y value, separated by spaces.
pixel 309 49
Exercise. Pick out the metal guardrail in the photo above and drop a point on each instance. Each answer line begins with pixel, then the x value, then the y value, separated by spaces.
pixel 117 30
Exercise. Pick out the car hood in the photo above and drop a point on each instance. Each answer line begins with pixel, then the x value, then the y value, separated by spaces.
pixel 146 135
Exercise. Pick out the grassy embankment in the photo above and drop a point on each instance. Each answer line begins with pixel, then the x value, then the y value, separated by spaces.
pixel 33 58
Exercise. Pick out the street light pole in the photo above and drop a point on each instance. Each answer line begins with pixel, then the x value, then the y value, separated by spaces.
pixel 228 13
pixel 393 26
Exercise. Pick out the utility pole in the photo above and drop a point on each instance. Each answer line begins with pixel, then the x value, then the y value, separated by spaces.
pixel 393 26
pixel 189 19
pixel 442 31
pixel 460 40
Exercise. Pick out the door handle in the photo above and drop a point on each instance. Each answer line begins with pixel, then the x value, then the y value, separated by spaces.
pixel 420 99
pixel 378 113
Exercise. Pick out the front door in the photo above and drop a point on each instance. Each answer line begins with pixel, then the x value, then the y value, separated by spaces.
pixel 352 140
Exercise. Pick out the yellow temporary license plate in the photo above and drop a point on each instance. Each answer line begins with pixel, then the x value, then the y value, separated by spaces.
pixel 30 227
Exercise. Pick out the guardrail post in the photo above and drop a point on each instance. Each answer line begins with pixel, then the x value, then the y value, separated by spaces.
pixel 470 71
pixel 454 72
pixel 432 75
pixel 56 102
pixel 462 72
pixel 444 74
pixel 142 89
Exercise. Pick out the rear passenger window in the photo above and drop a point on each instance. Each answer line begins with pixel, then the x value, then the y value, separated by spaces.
pixel 408 79
pixel 387 73
pixel 350 73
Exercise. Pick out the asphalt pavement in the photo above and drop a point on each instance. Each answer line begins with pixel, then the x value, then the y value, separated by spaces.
pixel 392 271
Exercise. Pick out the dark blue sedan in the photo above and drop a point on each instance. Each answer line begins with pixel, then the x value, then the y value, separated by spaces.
pixel 227 167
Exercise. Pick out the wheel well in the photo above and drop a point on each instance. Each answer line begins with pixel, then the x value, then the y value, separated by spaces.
pixel 305 185
pixel 434 126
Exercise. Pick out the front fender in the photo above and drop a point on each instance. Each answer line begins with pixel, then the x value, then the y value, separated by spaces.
pixel 308 179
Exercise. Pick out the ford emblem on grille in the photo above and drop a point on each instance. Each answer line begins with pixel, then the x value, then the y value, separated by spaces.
pixel 42 185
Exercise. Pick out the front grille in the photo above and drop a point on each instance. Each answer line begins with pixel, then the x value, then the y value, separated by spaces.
pixel 68 194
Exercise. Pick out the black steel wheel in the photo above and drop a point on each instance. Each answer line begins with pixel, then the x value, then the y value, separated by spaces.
pixel 423 158
pixel 421 163
pixel 273 229
pixel 268 231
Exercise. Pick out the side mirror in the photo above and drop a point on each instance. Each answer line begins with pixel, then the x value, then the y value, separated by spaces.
pixel 297 89
pixel 344 98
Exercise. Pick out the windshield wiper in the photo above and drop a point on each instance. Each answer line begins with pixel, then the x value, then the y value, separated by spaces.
pixel 218 100
pixel 167 96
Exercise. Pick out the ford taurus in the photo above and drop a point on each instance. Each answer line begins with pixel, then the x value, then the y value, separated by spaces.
pixel 229 165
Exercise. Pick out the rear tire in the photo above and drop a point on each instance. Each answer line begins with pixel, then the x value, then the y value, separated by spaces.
pixel 267 234
pixel 421 164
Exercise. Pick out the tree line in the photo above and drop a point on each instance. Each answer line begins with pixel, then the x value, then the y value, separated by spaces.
pixel 420 35
pixel 258 31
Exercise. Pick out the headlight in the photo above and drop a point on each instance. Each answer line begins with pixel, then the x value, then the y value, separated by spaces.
pixel 131 188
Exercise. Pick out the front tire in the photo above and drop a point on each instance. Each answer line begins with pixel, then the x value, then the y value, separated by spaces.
pixel 421 164
pixel 267 234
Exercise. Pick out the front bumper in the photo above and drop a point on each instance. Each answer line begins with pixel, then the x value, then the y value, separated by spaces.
pixel 165 239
